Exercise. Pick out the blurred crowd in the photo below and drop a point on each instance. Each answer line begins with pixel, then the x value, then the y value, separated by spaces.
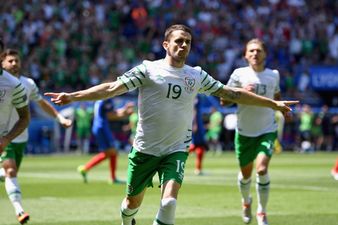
pixel 68 44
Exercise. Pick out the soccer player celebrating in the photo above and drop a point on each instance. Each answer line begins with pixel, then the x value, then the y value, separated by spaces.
pixel 167 90
pixel 11 62
pixel 13 98
pixel 256 128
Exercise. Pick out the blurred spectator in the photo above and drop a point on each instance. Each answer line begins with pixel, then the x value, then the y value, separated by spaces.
pixel 327 127
pixel 304 81
pixel 305 127
pixel 83 121
pixel 214 130
pixel 317 133
pixel 335 125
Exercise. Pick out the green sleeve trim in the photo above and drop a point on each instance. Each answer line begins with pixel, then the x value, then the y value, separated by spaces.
pixel 211 86
pixel 141 71
pixel 19 92
pixel 139 79
pixel 205 78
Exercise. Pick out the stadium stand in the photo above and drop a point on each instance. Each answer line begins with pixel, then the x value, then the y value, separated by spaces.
pixel 70 45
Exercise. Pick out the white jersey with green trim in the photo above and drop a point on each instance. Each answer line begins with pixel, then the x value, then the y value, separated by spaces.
pixel 33 95
pixel 165 104
pixel 12 95
pixel 254 120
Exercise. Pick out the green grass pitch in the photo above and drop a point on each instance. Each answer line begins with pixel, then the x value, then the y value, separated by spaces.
pixel 302 192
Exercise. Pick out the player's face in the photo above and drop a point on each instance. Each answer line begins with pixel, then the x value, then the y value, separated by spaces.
pixel 178 46
pixel 12 64
pixel 255 54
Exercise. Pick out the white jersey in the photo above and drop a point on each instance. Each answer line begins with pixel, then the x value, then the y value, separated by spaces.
pixel 165 103
pixel 12 95
pixel 254 120
pixel 32 95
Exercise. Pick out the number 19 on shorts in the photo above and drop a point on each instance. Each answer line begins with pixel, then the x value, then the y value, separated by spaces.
pixel 180 168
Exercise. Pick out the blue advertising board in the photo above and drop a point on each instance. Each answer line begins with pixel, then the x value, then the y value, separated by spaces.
pixel 324 78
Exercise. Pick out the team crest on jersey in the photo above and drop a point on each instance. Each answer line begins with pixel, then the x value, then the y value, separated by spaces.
pixel 189 84
pixel 159 79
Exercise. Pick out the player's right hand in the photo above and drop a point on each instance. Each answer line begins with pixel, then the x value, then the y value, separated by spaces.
pixel 59 98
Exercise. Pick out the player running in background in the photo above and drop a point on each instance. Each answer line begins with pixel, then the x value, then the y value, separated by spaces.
pixel 334 171
pixel 167 91
pixel 13 98
pixel 214 130
pixel 256 128
pixel 198 144
pixel 104 111
pixel 11 62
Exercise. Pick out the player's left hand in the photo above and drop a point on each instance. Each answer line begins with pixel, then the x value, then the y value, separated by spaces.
pixel 284 106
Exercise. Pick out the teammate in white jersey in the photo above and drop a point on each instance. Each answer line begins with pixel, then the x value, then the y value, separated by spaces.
pixel 13 98
pixel 11 62
pixel 167 90
pixel 256 128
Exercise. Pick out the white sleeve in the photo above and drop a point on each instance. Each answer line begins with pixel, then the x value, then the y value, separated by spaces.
pixel 134 78
pixel 208 84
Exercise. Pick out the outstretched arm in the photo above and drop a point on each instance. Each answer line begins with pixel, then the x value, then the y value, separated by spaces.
pixel 241 96
pixel 101 91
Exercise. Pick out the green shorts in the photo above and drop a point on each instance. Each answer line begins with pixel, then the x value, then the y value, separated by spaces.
pixel 14 151
pixel 247 148
pixel 83 132
pixel 213 134
pixel 142 168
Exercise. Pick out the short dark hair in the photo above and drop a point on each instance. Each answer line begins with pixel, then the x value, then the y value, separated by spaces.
pixel 8 52
pixel 174 27
pixel 257 41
